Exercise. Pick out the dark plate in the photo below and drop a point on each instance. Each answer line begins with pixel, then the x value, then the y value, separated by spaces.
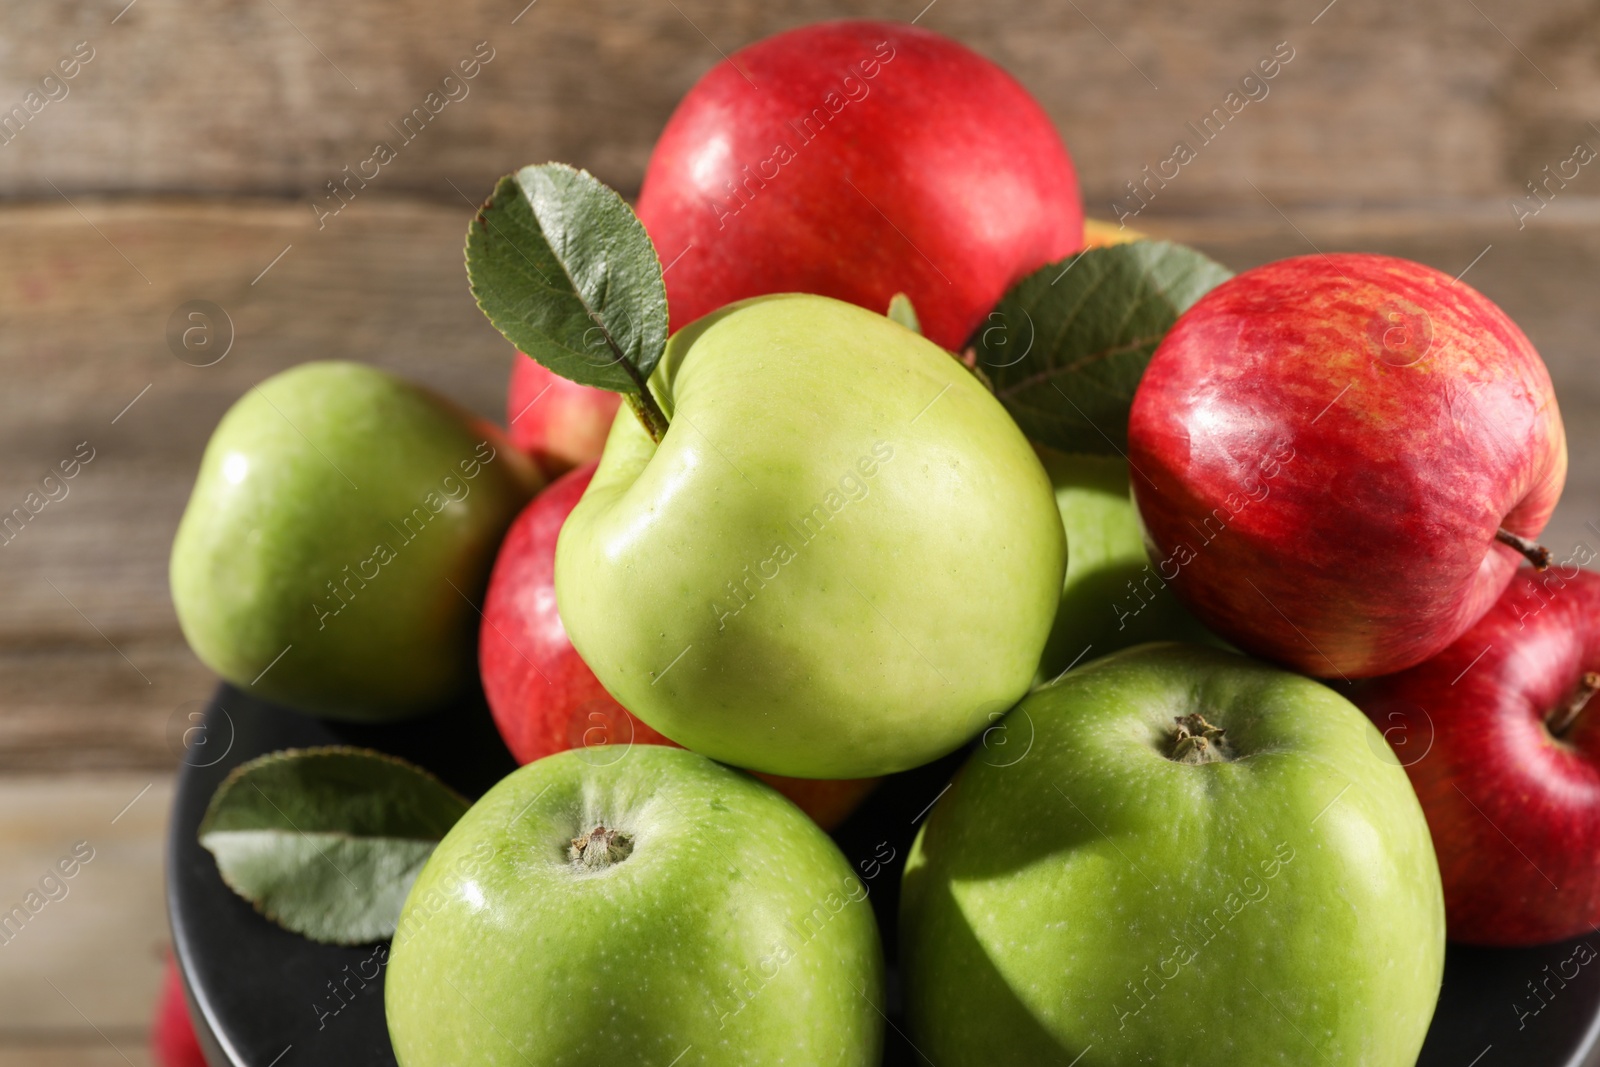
pixel 264 997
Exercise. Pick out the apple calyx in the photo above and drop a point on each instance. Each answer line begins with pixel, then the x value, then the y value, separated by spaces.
pixel 1534 553
pixel 1564 717
pixel 1195 741
pixel 600 848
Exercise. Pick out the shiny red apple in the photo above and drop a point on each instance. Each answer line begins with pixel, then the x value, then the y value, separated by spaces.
pixel 544 698
pixel 558 422
pixel 1505 757
pixel 172 1040
pixel 859 159
pixel 1340 460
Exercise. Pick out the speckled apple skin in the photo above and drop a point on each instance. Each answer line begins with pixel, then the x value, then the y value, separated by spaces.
pixel 1469 727
pixel 932 173
pixel 1323 448
pixel 734 934
pixel 544 698
pixel 873 639
pixel 1056 905
pixel 306 475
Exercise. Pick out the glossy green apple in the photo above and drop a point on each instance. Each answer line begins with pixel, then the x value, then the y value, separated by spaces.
pixel 842 559
pixel 342 527
pixel 656 909
pixel 1113 596
pixel 1128 895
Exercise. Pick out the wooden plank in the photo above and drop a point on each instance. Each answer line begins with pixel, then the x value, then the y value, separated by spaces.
pixel 79 1052
pixel 92 954
pixel 1420 102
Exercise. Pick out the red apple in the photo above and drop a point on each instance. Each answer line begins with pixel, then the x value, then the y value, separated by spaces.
pixel 172 1040
pixel 1334 456
pixel 1506 761
pixel 558 422
pixel 856 160
pixel 545 699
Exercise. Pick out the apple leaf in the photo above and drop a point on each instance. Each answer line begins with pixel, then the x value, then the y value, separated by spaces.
pixel 327 841
pixel 562 266
pixel 1067 345
pixel 901 311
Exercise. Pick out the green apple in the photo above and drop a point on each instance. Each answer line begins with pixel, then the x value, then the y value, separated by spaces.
pixel 842 559
pixel 342 527
pixel 1113 597
pixel 659 909
pixel 1200 860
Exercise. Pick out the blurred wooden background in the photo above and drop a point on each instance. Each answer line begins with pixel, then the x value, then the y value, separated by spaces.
pixel 183 160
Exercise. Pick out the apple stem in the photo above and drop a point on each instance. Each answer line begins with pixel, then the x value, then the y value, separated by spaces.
pixel 1195 741
pixel 1562 719
pixel 641 400
pixel 1536 554
pixel 600 848
pixel 644 406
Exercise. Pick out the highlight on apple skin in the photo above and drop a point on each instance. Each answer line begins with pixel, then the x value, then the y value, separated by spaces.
pixel 1496 735
pixel 542 695
pixel 1334 455
pixel 859 159
pixel 841 561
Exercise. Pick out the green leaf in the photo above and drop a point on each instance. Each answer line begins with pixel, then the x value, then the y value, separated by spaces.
pixel 327 841
pixel 901 311
pixel 562 266
pixel 1067 345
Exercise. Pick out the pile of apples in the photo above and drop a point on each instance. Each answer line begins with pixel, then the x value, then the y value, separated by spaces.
pixel 817 551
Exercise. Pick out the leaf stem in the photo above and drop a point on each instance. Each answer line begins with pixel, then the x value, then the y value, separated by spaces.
pixel 644 404
pixel 642 401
